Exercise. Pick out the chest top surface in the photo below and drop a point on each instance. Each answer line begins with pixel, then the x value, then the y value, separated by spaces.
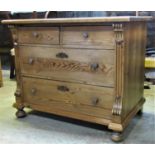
pixel 83 20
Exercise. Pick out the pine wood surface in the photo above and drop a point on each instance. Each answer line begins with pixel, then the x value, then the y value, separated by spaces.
pixel 77 67
pixel 88 69
pixel 79 20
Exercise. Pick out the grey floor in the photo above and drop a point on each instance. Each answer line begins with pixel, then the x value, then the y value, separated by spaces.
pixel 40 127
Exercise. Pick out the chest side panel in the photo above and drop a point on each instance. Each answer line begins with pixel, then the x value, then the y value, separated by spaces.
pixel 135 38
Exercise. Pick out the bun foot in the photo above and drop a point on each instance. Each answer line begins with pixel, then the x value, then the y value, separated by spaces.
pixel 117 137
pixel 140 112
pixel 20 114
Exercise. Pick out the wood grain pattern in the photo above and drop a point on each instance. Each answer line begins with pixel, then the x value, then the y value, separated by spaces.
pixel 119 83
pixel 38 35
pixel 120 127
pixel 70 114
pixel 84 20
pixel 77 98
pixel 135 34
pixel 18 93
pixel 92 70
pixel 99 37
pixel 77 67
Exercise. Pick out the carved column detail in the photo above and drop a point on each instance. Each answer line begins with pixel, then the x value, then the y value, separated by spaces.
pixel 18 93
pixel 119 47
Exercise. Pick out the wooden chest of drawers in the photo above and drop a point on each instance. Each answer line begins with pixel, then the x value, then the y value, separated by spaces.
pixel 90 69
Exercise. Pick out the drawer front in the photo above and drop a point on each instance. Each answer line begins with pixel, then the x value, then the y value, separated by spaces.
pixel 79 98
pixel 94 67
pixel 38 35
pixel 99 37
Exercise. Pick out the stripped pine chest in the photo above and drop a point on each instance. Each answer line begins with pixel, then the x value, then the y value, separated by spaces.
pixel 90 69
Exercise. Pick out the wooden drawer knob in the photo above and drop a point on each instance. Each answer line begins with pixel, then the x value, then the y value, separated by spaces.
pixel 61 55
pixel 17 93
pixel 35 34
pixel 33 91
pixel 63 88
pixel 95 101
pixel 15 44
pixel 94 66
pixel 85 35
pixel 31 61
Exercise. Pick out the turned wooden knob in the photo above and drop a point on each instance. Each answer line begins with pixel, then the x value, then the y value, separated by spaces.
pixel 35 34
pixel 94 66
pixel 33 91
pixel 63 88
pixel 15 44
pixel 17 93
pixel 95 101
pixel 85 35
pixel 31 61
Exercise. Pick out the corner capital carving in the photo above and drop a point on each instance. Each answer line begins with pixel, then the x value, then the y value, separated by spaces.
pixel 117 106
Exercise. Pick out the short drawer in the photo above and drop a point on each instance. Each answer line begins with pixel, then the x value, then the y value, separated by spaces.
pixel 79 98
pixel 96 67
pixel 99 37
pixel 38 35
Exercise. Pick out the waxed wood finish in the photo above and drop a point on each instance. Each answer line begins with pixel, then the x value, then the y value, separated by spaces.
pixel 88 69
pixel 77 98
pixel 38 35
pixel 85 20
pixel 134 66
pixel 1 81
pixel 76 67
pixel 99 37
pixel 130 75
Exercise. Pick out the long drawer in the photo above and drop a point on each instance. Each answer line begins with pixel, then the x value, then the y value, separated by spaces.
pixel 78 98
pixel 94 67
pixel 38 35
pixel 98 37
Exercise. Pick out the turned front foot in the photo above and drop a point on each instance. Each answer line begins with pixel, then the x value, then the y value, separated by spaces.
pixel 20 113
pixel 140 112
pixel 117 136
